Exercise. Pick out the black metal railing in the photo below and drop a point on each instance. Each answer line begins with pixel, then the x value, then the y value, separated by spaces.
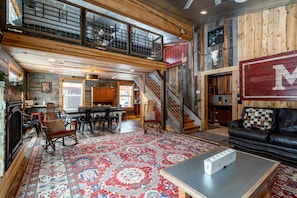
pixel 72 23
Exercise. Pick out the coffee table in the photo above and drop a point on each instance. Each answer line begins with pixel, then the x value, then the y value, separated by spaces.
pixel 248 176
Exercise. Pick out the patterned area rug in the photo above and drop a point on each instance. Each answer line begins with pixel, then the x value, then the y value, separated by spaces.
pixel 124 165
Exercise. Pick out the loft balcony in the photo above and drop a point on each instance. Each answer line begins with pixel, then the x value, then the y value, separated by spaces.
pixel 75 24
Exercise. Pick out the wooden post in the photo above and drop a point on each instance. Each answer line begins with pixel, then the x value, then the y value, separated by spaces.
pixel 2 14
pixel 163 101
pixel 82 26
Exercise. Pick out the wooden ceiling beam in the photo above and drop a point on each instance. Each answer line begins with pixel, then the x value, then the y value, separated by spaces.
pixel 142 13
pixel 14 40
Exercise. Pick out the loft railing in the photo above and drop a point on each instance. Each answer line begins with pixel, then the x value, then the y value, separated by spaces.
pixel 72 23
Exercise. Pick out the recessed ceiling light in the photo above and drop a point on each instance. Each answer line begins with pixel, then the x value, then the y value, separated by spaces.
pixel 203 12
pixel 240 1
pixel 51 60
pixel 132 70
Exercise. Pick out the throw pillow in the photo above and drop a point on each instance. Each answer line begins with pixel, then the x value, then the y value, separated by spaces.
pixel 55 125
pixel 151 115
pixel 258 118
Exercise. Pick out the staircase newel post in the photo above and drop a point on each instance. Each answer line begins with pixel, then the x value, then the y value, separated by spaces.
pixel 181 115
pixel 163 101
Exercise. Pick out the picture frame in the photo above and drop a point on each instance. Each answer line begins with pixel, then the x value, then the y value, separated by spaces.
pixel 46 87
pixel 216 36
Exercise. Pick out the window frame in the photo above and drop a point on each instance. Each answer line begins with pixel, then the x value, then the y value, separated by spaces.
pixel 132 94
pixel 74 80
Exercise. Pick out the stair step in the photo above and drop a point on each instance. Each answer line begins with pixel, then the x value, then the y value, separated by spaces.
pixel 191 129
pixel 186 116
pixel 188 121
pixel 189 124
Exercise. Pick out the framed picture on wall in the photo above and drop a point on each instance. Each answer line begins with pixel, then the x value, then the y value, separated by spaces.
pixel 216 36
pixel 46 87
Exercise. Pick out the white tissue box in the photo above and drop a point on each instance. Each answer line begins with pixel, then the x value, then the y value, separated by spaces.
pixel 218 161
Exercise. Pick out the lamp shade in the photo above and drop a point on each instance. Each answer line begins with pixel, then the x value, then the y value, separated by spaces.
pixel 92 77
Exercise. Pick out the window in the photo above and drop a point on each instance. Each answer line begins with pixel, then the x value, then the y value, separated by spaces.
pixel 72 95
pixel 126 94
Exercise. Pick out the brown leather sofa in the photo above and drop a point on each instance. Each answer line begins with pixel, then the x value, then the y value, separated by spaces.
pixel 263 130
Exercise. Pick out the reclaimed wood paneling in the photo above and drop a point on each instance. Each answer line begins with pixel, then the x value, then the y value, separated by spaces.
pixel 267 33
pixel 292 22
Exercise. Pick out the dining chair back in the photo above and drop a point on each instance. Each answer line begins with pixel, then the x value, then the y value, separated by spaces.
pixel 87 119
pixel 106 118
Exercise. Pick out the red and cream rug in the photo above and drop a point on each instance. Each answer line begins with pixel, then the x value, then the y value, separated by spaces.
pixel 122 165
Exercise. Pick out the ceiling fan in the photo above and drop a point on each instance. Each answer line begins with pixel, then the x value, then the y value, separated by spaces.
pixel 217 2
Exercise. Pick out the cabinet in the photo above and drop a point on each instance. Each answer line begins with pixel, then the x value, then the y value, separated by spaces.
pixel 224 84
pixel 103 95
pixel 220 114
pixel 137 101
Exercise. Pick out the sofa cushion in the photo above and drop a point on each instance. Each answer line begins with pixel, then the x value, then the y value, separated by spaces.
pixel 287 120
pixel 258 118
pixel 284 139
pixel 248 133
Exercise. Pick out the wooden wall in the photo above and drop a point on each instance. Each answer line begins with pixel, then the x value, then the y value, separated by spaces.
pixel 266 33
pixel 258 34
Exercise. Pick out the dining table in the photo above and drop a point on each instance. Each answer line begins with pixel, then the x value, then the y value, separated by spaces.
pixel 97 110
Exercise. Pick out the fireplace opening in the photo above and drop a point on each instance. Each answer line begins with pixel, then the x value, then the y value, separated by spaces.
pixel 14 134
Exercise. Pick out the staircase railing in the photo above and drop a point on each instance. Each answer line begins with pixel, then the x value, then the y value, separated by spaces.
pixel 174 101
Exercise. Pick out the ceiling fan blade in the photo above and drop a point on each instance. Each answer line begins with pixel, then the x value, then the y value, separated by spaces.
pixel 218 2
pixel 188 4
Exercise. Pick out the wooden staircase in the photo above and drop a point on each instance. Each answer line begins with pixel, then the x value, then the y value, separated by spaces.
pixel 189 126
pixel 151 85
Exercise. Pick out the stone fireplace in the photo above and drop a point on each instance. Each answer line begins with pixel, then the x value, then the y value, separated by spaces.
pixel 11 119
pixel 13 138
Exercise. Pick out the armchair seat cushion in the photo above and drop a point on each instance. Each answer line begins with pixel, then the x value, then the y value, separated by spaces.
pixel 58 134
